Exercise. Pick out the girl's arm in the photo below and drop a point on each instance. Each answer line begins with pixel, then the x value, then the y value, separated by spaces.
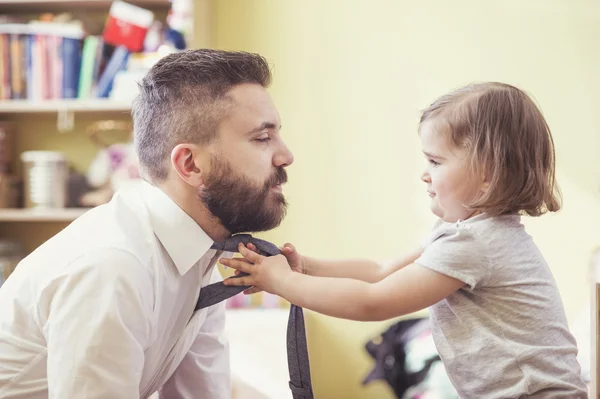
pixel 405 291
pixel 357 269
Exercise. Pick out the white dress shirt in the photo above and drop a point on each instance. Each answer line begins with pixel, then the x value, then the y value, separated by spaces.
pixel 105 309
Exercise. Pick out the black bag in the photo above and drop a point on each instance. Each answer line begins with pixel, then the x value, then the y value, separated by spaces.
pixel 389 352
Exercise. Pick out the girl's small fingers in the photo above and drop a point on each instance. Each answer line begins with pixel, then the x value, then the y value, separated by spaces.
pixel 239 281
pixel 289 246
pixel 249 254
pixel 240 264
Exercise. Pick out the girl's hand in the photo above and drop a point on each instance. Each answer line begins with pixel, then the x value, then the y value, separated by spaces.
pixel 297 262
pixel 264 273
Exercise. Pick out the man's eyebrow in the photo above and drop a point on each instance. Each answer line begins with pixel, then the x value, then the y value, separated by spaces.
pixel 263 126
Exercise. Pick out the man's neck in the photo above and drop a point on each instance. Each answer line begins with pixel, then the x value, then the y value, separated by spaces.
pixel 187 199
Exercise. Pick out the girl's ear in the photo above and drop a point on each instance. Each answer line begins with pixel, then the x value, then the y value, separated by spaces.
pixel 485 183
pixel 485 186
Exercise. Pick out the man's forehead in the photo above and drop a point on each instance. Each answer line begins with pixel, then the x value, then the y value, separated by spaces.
pixel 251 98
pixel 251 120
pixel 246 94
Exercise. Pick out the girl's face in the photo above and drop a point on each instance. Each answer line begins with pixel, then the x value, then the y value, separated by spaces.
pixel 447 176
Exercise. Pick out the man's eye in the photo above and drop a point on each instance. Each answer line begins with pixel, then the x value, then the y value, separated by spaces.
pixel 263 139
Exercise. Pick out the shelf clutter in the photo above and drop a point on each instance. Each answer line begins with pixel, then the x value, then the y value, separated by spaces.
pixel 65 57
pixel 68 62
pixel 57 57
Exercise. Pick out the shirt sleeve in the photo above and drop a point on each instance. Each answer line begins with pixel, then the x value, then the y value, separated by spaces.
pixel 425 242
pixel 95 317
pixel 205 369
pixel 454 250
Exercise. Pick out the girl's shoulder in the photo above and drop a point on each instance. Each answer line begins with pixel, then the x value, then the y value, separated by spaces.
pixel 479 231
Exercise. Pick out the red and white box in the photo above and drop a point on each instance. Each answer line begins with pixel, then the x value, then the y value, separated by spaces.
pixel 127 26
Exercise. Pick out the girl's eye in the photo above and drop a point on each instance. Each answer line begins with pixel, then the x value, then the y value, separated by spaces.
pixel 434 163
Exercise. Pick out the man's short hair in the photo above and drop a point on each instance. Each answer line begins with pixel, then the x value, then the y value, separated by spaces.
pixel 183 98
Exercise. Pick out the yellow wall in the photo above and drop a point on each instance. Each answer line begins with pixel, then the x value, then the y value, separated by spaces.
pixel 349 79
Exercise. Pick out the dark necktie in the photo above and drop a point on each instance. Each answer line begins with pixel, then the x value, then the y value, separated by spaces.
pixel 298 363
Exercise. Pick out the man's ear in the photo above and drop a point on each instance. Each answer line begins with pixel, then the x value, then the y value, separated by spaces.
pixel 187 160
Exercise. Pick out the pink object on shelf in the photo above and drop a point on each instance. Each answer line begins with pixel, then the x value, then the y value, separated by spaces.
pixel 127 26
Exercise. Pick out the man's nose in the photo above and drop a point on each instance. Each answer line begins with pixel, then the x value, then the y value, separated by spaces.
pixel 283 157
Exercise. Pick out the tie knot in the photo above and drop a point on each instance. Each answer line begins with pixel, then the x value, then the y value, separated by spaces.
pixel 264 248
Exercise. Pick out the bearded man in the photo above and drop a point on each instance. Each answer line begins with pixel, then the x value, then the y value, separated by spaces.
pixel 106 308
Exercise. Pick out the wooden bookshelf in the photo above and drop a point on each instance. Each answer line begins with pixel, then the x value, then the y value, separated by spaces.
pixel 52 106
pixel 41 215
pixel 61 124
pixel 20 6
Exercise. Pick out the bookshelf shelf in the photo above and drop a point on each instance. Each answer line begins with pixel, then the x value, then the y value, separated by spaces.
pixel 45 215
pixel 65 5
pixel 54 106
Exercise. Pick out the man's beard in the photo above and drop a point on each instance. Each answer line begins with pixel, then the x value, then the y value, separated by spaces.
pixel 240 205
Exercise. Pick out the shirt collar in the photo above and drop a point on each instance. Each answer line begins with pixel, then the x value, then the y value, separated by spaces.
pixel 183 239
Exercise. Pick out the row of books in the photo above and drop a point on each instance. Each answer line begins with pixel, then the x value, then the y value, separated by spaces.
pixel 51 60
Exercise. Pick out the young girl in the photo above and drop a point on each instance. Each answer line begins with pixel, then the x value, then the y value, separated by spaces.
pixel 498 319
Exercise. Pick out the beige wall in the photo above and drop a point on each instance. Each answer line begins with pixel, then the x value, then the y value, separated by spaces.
pixel 350 77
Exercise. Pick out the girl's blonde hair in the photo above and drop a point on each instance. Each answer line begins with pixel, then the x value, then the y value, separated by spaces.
pixel 508 143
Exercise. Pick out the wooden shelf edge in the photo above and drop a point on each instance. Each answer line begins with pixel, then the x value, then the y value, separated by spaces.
pixel 41 215
pixel 73 5
pixel 94 105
